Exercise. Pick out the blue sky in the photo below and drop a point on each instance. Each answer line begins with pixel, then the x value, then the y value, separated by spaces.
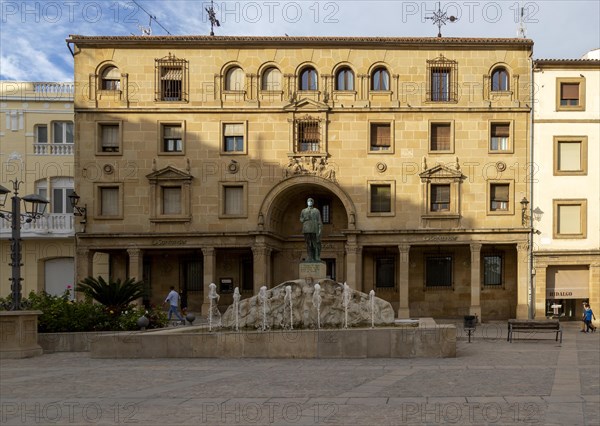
pixel 33 33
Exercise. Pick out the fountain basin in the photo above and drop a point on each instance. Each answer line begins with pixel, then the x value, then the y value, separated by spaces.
pixel 427 340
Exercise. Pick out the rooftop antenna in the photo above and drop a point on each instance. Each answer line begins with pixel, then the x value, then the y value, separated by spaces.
pixel 440 18
pixel 212 17
pixel 148 30
pixel 522 29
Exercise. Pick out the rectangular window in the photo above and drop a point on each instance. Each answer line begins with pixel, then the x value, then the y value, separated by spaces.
pixel 234 200
pixel 440 198
pixel 41 133
pixel 233 137
pixel 441 137
pixel 438 271
pixel 109 137
pixel 500 137
pixel 385 272
pixel 109 201
pixel 62 132
pixel 60 200
pixel 442 80
pixel 499 196
pixel 381 198
pixel 492 269
pixel 570 219
pixel 569 94
pixel 309 135
pixel 325 212
pixel 171 200
pixel 381 139
pixel 172 138
pixel 570 155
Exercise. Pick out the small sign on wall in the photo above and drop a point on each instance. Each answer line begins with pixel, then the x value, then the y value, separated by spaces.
pixel 226 285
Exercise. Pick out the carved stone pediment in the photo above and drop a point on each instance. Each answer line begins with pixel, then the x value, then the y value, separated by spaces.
pixel 306 104
pixel 168 173
pixel 441 172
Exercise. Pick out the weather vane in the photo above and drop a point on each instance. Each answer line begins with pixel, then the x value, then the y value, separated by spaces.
pixel 212 17
pixel 440 18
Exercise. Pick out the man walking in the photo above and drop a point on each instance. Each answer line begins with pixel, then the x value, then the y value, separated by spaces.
pixel 173 300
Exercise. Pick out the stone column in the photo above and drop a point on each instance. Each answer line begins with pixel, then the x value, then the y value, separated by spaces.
pixel 84 266
pixel 135 263
pixel 523 274
pixel 209 275
pixel 354 265
pixel 403 293
pixel 259 254
pixel 540 291
pixel 475 308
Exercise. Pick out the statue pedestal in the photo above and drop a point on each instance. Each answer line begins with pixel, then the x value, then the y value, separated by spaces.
pixel 312 271
pixel 19 334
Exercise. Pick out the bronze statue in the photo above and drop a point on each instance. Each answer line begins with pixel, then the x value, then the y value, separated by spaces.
pixel 311 228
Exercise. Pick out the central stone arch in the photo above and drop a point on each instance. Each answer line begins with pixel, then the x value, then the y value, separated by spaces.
pixel 289 197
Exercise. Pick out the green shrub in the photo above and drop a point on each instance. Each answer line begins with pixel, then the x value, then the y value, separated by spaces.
pixel 61 314
pixel 115 295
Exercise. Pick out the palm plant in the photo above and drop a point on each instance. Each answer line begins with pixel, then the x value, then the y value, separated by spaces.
pixel 114 295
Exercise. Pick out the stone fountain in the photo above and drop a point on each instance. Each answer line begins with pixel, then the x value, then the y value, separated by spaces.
pixel 311 317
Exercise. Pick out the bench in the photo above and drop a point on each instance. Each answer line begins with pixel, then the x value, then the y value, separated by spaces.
pixel 542 326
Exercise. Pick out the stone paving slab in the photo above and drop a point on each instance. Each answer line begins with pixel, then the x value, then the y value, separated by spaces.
pixel 490 382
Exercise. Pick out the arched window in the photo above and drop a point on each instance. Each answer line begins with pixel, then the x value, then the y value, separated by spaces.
pixel 344 79
pixel 111 78
pixel 500 80
pixel 234 80
pixel 380 80
pixel 271 79
pixel 308 79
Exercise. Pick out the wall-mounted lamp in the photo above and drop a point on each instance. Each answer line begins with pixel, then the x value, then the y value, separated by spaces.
pixel 77 210
pixel 525 217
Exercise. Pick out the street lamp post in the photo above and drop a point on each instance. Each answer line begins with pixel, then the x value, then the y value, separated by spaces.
pixel 35 205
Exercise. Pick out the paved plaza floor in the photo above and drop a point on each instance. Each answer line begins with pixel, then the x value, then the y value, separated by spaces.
pixel 491 381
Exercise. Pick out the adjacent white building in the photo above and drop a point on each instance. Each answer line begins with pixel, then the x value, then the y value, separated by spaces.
pixel 566 180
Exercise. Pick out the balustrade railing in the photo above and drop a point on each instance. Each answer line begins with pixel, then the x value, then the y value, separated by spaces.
pixel 53 149
pixel 53 224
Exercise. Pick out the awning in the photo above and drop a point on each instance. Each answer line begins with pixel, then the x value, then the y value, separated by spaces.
pixel 567 282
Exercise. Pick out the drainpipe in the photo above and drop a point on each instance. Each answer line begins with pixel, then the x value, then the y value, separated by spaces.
pixel 531 194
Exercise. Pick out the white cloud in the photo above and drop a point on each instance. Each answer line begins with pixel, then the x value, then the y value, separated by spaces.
pixel 33 33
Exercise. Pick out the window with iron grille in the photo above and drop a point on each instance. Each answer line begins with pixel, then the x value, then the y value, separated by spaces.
pixel 309 135
pixel 492 269
pixel 438 271
pixel 171 79
pixel 442 80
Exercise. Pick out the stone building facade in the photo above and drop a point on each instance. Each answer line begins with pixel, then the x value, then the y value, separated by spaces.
pixel 195 156
pixel 36 149
pixel 566 153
